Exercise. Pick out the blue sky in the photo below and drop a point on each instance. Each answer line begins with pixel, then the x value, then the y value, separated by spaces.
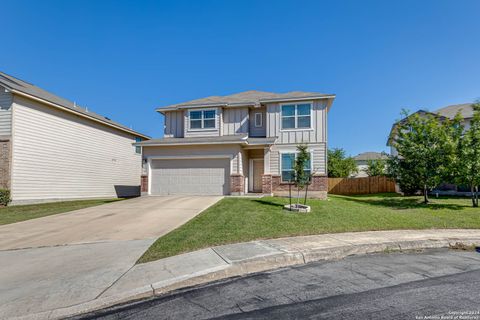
pixel 124 58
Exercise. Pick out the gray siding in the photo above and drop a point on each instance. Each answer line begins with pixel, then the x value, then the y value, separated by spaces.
pixel 59 155
pixel 235 121
pixel 6 99
pixel 316 134
pixel 203 133
pixel 174 121
pixel 258 131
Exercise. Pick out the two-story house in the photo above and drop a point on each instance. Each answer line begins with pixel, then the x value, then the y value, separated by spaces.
pixel 237 144
pixel 51 149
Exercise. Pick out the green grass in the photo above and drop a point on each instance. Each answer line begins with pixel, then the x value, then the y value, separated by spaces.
pixel 26 212
pixel 240 219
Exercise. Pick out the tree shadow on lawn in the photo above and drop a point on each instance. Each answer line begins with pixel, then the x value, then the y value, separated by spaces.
pixel 268 203
pixel 402 203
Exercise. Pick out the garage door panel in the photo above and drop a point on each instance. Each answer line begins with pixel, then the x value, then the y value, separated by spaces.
pixel 190 176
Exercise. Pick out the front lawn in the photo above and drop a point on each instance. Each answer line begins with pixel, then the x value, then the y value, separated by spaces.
pixel 241 219
pixel 26 212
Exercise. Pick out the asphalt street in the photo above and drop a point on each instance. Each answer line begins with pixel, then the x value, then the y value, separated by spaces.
pixel 423 285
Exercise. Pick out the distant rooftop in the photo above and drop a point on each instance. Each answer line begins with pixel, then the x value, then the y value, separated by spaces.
pixel 465 109
pixel 370 156
pixel 19 86
pixel 248 98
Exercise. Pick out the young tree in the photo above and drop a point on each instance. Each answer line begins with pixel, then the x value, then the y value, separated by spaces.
pixel 302 177
pixel 468 151
pixel 376 167
pixel 339 165
pixel 425 148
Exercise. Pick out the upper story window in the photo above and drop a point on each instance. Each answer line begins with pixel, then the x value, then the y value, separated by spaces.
pixel 258 120
pixel 203 119
pixel 138 149
pixel 297 116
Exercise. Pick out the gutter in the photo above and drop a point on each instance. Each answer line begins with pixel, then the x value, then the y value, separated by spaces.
pixel 77 113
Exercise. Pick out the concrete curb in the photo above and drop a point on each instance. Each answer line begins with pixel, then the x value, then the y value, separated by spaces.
pixel 284 258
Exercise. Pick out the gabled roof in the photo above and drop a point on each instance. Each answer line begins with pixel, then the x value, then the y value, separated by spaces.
pixel 449 112
pixel 370 156
pixel 419 112
pixel 31 91
pixel 247 98
pixel 465 109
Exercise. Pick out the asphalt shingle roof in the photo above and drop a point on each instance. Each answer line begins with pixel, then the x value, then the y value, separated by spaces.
pixel 246 98
pixel 465 109
pixel 15 84
pixel 370 156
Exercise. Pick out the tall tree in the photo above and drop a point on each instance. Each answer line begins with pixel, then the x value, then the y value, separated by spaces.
pixel 468 151
pixel 339 165
pixel 424 146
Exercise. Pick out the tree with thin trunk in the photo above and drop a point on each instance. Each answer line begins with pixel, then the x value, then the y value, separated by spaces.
pixel 424 146
pixel 302 177
pixel 468 154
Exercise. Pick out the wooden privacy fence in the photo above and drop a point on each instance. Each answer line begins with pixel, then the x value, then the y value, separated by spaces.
pixel 366 185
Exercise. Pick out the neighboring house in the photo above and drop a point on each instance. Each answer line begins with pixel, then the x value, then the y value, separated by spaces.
pixel 52 149
pixel 237 144
pixel 362 162
pixel 465 110
pixel 449 112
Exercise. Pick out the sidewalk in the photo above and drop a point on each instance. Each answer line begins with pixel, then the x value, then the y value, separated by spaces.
pixel 202 266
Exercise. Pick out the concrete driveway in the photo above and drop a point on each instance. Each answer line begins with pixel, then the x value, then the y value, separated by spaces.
pixel 70 258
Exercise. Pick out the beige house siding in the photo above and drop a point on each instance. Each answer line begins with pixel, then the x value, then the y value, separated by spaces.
pixel 316 134
pixel 235 121
pixel 203 133
pixel 58 155
pixel 5 112
pixel 174 121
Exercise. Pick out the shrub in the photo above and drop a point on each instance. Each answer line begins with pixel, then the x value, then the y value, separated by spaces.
pixel 4 197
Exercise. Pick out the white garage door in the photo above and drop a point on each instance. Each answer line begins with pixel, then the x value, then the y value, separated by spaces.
pixel 190 176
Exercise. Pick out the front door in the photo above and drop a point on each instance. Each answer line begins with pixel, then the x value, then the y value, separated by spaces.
pixel 257 175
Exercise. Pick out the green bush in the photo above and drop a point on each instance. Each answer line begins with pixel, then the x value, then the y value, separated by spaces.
pixel 4 197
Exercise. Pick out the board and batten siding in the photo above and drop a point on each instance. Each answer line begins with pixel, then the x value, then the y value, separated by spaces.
pixel 235 121
pixel 59 155
pixel 318 151
pixel 6 99
pixel 174 121
pixel 258 131
pixel 316 134
pixel 203 133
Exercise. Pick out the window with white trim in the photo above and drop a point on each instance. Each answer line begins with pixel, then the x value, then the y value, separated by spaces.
pixel 287 164
pixel 203 119
pixel 258 120
pixel 138 149
pixel 297 116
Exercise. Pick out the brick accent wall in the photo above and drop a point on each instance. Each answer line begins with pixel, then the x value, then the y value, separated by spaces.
pixel 237 184
pixel 317 189
pixel 5 146
pixel 267 183
pixel 144 184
